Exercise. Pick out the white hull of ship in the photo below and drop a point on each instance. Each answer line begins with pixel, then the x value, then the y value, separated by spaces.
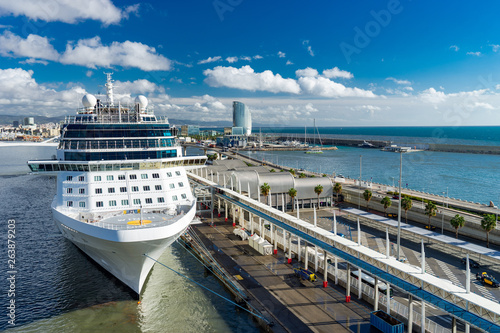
pixel 121 252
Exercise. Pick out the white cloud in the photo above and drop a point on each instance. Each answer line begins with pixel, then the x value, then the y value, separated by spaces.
pixel 402 82
pixel 245 78
pixel 281 54
pixel 495 47
pixel 257 56
pixel 336 72
pixel 231 59
pixel 320 86
pixel 209 60
pixel 371 109
pixel 141 86
pixel 246 58
pixel 21 94
pixel 433 96
pixel 288 62
pixel 31 61
pixel 477 54
pixel 306 72
pixel 308 47
pixel 92 53
pixel 454 48
pixel 33 46
pixel 89 73
pixel 483 105
pixel 68 11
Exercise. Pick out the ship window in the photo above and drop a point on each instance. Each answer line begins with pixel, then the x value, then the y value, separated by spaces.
pixel 98 190
pixel 135 188
pixel 178 173
pixel 112 203
pixel 133 176
pixel 109 177
pixel 111 190
pixel 97 178
pixel 149 200
pixel 172 185
pixel 137 201
pixel 69 203
pixel 99 204
pixel 145 188
pixel 81 178
pixel 156 175
pixel 121 177
pixel 161 199
pixel 69 178
pixel 81 191
pixel 183 196
pixel 144 176
pixel 81 204
pixel 69 190
pixel 181 184
pixel 169 174
pixel 125 202
pixel 123 189
pixel 158 187
pixel 174 198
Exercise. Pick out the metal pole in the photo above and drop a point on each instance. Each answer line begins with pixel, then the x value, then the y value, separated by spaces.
pixel 359 194
pixel 315 218
pixel 442 218
pixel 423 256
pixel 399 203
pixel 334 223
pixel 359 233
pixel 467 276
pixel 387 250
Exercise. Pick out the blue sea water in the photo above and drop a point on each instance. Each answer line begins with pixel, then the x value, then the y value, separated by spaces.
pixel 467 135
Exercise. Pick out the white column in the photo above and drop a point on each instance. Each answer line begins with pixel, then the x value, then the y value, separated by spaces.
pixel 315 217
pixel 336 271
pixel 334 223
pixel 359 233
pixel 269 199
pixel 423 257
pixel 299 254
pixel 410 313
pixel 422 323
pixel 290 247
pixel 248 190
pixel 387 250
pixel 260 227
pixel 251 222
pixel 348 284
pixel 306 255
pixel 325 267
pixel 388 297
pixel 375 295
pixel 360 286
pixel 275 238
pixel 298 215
pixel 217 177
pixel 315 258
pixel 224 180
pixel 453 325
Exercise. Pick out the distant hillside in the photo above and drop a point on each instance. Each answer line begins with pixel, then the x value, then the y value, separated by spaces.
pixel 9 119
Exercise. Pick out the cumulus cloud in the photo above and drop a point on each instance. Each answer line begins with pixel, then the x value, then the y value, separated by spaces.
pixel 320 86
pixel 257 56
pixel 288 62
pixel 306 72
pixel 281 54
pixel 454 48
pixel 371 109
pixel 127 89
pixel 92 53
pixel 308 47
pixel 483 105
pixel 402 82
pixel 209 60
pixel 68 11
pixel 231 59
pixel 34 46
pixel 21 94
pixel 431 95
pixel 495 47
pixel 245 78
pixel 335 72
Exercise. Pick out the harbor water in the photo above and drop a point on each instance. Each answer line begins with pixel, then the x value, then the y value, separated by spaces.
pixel 59 289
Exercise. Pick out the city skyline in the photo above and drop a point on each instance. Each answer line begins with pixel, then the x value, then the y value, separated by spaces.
pixel 395 63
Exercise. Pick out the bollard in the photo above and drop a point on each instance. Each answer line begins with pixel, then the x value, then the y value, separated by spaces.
pixel 348 299
pixel 275 251
pixel 218 215
pixel 325 284
pixel 289 260
pixel 234 224
pixel 225 220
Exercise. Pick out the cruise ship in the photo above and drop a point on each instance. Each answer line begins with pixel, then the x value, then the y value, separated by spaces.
pixel 122 186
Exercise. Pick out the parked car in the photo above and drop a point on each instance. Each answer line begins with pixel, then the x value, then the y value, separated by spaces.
pixel 472 263
pixel 487 279
pixel 431 228
pixel 395 197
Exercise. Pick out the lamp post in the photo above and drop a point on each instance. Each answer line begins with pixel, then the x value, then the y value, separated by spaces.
pixel 359 197
pixel 399 203
pixel 442 214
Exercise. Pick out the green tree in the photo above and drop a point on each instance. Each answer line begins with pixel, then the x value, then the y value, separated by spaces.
pixel 457 222
pixel 337 189
pixel 318 190
pixel 292 171
pixel 488 223
pixel 386 201
pixel 272 170
pixel 264 190
pixel 212 157
pixel 367 194
pixel 406 204
pixel 292 193
pixel 302 175
pixel 430 210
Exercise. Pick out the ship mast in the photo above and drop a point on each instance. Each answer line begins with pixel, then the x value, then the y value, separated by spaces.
pixel 109 89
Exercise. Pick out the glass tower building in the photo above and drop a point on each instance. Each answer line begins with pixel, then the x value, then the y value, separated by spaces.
pixel 242 118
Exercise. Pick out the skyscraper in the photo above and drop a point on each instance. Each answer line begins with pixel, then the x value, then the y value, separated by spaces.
pixel 242 118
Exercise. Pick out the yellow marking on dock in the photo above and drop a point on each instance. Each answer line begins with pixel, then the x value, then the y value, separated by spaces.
pixel 138 222
pixel 238 277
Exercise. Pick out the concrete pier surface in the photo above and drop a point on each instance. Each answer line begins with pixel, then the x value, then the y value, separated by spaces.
pixel 294 305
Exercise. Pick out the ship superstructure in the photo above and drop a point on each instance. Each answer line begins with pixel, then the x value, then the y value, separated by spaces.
pixel 122 188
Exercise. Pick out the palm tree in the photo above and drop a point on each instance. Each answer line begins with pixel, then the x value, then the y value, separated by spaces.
pixel 488 223
pixel 212 157
pixel 386 201
pixel 337 189
pixel 292 171
pixel 302 175
pixel 272 170
pixel 457 222
pixel 265 189
pixel 406 204
pixel 367 194
pixel 318 190
pixel 292 193
pixel 430 210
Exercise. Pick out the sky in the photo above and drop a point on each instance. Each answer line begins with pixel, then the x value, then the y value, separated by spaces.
pixel 363 63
